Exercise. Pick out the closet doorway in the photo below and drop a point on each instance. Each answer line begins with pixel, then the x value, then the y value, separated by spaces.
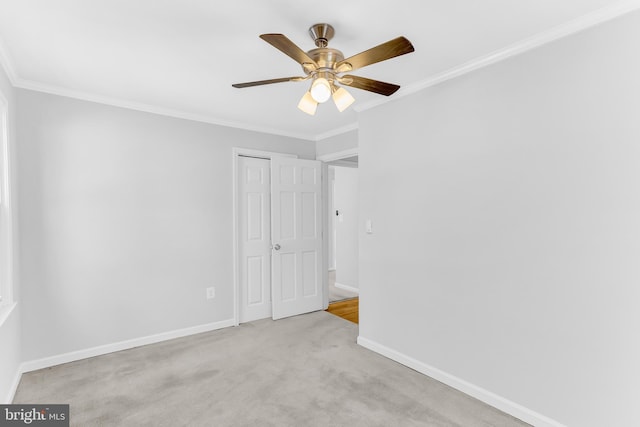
pixel 278 254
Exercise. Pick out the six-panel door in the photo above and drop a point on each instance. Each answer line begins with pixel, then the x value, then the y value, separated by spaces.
pixel 296 224
pixel 254 193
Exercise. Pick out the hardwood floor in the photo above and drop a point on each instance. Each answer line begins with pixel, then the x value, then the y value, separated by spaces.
pixel 347 309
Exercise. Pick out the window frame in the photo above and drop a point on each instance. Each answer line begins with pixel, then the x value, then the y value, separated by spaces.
pixel 6 217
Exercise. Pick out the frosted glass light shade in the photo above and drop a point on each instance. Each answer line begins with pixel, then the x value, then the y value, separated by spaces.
pixel 308 104
pixel 320 90
pixel 342 99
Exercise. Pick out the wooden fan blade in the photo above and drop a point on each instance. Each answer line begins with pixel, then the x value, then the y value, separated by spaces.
pixel 268 82
pixel 376 86
pixel 391 49
pixel 286 46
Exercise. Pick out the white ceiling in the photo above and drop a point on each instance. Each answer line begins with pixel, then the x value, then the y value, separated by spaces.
pixel 180 57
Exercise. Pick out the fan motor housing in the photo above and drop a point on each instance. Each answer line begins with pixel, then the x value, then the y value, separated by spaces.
pixel 326 57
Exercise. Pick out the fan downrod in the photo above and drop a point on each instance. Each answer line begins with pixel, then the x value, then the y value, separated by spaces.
pixel 321 34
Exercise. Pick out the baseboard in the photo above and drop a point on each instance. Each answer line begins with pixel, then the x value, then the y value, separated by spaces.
pixel 347 288
pixel 505 405
pixel 14 387
pixel 47 362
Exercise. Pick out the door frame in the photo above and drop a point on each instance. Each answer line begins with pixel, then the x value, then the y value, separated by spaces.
pixel 338 155
pixel 236 152
pixel 333 158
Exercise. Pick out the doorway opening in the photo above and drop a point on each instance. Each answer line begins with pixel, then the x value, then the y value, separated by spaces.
pixel 342 207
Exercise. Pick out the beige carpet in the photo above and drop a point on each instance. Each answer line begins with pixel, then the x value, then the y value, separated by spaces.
pixel 302 371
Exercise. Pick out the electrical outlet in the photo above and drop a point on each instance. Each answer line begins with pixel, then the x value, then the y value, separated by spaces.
pixel 211 292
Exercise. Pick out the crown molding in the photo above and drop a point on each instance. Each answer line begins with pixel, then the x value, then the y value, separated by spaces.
pixel 132 105
pixel 7 64
pixel 556 33
pixel 338 131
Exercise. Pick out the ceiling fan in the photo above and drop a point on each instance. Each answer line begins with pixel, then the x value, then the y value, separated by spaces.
pixel 326 67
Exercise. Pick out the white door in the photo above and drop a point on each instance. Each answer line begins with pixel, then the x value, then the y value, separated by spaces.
pixel 296 234
pixel 255 238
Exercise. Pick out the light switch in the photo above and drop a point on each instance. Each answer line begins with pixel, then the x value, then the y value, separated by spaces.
pixel 369 227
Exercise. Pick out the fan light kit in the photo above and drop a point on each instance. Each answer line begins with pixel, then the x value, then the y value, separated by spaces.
pixel 325 67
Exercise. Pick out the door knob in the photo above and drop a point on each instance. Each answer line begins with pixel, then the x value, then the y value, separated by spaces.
pixel 276 247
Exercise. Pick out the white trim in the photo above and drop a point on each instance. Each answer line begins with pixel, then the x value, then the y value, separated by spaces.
pixel 6 199
pixel 239 151
pixel 235 153
pixel 345 164
pixel 155 109
pixel 14 386
pixel 47 362
pixel 338 131
pixel 326 218
pixel 347 288
pixel 334 157
pixel 329 238
pixel 556 33
pixel 525 414
pixel 338 155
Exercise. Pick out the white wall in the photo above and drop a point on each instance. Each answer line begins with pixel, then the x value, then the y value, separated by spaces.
pixel 126 219
pixel 341 142
pixel 505 206
pixel 345 198
pixel 9 320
